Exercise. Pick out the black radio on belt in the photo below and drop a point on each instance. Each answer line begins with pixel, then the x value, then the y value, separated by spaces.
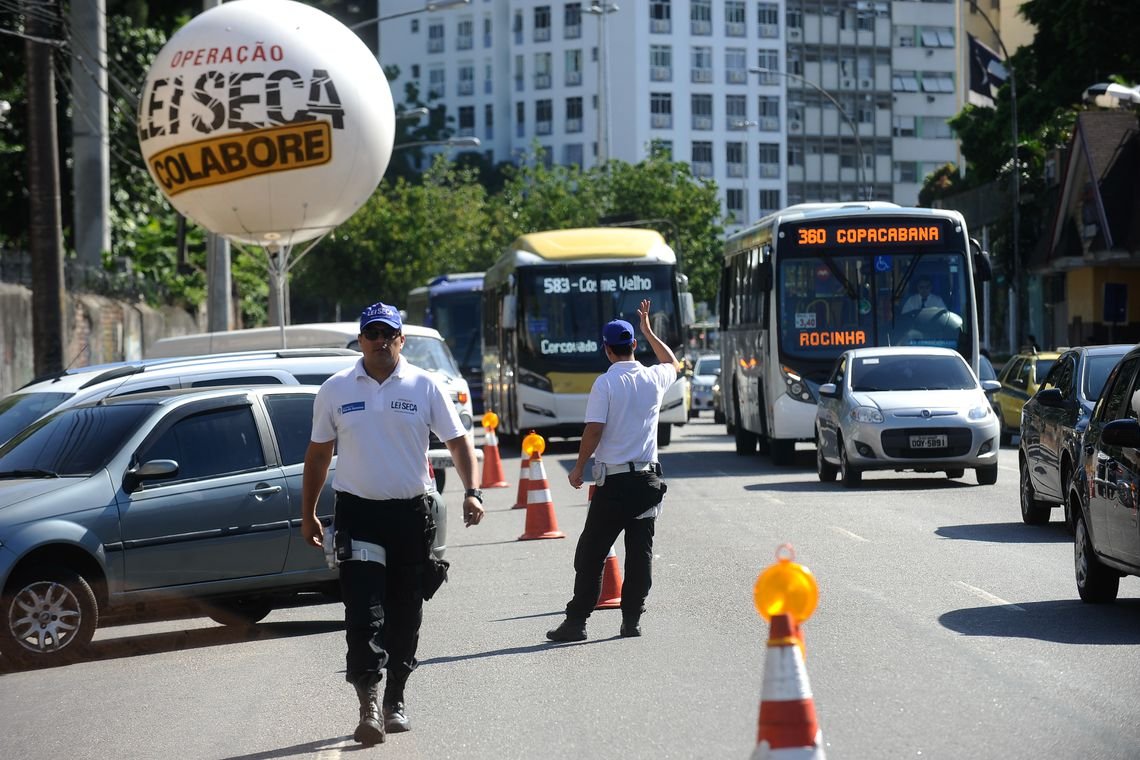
pixel 342 545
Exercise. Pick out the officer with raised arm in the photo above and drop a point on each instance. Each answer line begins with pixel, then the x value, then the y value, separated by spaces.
pixel 621 434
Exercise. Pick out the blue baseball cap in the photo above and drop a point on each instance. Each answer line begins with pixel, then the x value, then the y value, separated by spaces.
pixel 617 333
pixel 381 312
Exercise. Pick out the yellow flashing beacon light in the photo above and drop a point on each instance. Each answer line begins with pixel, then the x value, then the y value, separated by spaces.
pixel 533 444
pixel 786 587
pixel 490 420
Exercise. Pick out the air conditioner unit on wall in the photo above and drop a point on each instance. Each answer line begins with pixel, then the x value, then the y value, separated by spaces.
pixel 866 84
pixel 794 126
pixel 794 34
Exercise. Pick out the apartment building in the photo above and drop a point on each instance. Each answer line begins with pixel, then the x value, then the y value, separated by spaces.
pixel 778 101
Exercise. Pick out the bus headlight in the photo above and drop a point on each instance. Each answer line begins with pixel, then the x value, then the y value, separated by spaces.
pixel 795 385
pixel 534 380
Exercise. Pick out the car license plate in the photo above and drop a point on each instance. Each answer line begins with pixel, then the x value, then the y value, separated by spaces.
pixel 928 442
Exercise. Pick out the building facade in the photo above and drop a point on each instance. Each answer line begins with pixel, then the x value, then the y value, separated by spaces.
pixel 777 101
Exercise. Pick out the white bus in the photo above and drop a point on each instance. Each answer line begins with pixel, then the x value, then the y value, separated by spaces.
pixel 544 304
pixel 804 284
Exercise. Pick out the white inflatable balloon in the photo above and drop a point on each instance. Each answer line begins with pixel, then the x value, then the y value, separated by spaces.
pixel 266 121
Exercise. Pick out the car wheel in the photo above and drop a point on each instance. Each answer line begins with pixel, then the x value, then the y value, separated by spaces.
pixel 1095 583
pixel 987 475
pixel 1033 512
pixel 850 476
pixel 50 615
pixel 1005 437
pixel 957 473
pixel 823 468
pixel 239 612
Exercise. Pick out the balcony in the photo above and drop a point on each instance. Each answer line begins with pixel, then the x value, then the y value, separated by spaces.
pixel 661 26
pixel 573 78
pixel 542 81
pixel 464 42
pixel 734 29
pixel 661 74
pixel 701 76
pixel 435 45
pixel 573 32
pixel 769 123
pixel 736 170
pixel 769 170
pixel 520 84
pixel 543 127
pixel 573 125
pixel 703 123
pixel 466 88
pixel 769 31
pixel 661 121
pixel 542 34
pixel 701 168
pixel 700 28
pixel 736 76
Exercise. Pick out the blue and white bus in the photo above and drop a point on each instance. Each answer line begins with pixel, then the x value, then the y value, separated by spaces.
pixel 453 305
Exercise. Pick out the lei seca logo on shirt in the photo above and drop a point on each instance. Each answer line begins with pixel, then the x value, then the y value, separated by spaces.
pixel 403 406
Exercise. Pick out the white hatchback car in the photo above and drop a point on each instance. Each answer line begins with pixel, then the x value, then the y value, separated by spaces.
pixel 914 408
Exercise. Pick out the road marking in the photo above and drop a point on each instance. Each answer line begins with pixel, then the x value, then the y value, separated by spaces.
pixel 987 596
pixel 772 498
pixel 849 534
pixel 1009 469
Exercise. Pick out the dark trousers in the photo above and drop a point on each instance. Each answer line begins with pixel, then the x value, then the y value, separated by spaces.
pixel 383 604
pixel 615 507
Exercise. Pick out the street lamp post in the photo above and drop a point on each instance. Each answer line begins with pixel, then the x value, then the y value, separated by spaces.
pixel 601 10
pixel 1015 187
pixel 863 189
pixel 451 142
pixel 745 124
pixel 429 7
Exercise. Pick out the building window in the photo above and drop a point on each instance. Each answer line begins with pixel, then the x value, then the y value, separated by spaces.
pixel 700 18
pixel 660 63
pixel 768 156
pixel 543 116
pixel 770 60
pixel 937 36
pixel 902 126
pixel 735 19
pixel 542 23
pixel 734 159
pixel 794 19
pixel 934 128
pixel 466 121
pixel 465 34
pixel 520 119
pixel 437 81
pixel 702 108
pixel 736 111
pixel 542 71
pixel 904 81
pixel 517 27
pixel 661 110
pixel 573 66
pixel 767 20
pixel 768 113
pixel 520 73
pixel 735 65
pixel 435 38
pixel 701 62
pixel 415 26
pixel 488 78
pixel 734 200
pixel 702 159
pixel 572 154
pixel 415 71
pixel 487 26
pixel 795 155
pixel 489 121
pixel 572 25
pixel 660 16
pixel 906 171
pixel 574 114
pixel 467 79
pixel 769 201
pixel 937 81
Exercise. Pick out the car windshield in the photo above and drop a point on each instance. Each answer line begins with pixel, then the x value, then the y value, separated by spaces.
pixel 709 365
pixel 910 373
pixel 1097 374
pixel 73 442
pixel 431 354
pixel 985 369
pixel 19 410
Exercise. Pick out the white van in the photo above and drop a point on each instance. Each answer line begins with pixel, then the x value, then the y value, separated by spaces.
pixel 313 335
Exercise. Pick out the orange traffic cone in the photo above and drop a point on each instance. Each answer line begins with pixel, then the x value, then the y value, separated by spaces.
pixel 788 728
pixel 540 519
pixel 610 598
pixel 524 477
pixel 492 465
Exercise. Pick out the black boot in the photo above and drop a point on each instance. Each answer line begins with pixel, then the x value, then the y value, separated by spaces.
pixel 572 629
pixel 630 626
pixel 371 728
pixel 395 714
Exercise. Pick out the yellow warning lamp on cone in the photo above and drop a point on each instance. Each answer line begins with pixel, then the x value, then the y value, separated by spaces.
pixel 490 420
pixel 533 445
pixel 786 586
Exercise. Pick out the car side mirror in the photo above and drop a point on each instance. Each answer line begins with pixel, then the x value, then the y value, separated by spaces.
pixel 1124 433
pixel 1051 397
pixel 991 385
pixel 152 470
pixel 831 390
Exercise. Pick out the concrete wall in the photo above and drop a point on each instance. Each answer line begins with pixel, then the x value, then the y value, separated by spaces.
pixel 101 330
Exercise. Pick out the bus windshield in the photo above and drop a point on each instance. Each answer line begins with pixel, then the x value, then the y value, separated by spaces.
pixel 458 318
pixel 565 307
pixel 828 303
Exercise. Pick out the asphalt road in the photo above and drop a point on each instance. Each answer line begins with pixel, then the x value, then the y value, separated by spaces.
pixel 945 629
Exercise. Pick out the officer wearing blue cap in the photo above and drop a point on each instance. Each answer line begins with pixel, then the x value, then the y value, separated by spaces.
pixel 621 434
pixel 377 416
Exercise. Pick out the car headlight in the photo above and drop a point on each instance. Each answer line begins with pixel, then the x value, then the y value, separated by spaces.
pixel 978 413
pixel 866 414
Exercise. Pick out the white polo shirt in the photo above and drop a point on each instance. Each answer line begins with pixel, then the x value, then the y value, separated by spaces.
pixel 381 429
pixel 627 398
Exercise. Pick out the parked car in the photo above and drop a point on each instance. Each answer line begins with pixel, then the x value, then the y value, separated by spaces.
pixel 157 496
pixel 706 372
pixel 904 408
pixel 1019 378
pixel 1103 492
pixel 1052 424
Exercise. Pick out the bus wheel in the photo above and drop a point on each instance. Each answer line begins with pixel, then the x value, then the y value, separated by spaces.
pixel 782 451
pixel 745 440
pixel 664 433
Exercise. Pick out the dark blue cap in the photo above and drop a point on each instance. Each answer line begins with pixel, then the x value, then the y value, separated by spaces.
pixel 617 333
pixel 381 312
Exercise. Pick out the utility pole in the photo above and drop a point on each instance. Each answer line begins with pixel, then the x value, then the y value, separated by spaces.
pixel 601 10
pixel 219 300
pixel 90 144
pixel 45 239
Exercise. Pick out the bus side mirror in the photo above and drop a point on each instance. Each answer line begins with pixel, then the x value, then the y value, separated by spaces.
pixel 982 269
pixel 688 311
pixel 509 319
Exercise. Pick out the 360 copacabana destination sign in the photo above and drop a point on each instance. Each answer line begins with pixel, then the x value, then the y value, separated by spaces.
pixel 266 121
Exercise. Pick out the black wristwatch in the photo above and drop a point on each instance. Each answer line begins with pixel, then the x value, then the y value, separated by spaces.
pixel 478 494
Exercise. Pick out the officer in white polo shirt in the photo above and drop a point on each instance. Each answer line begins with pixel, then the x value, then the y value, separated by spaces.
pixel 377 416
pixel 621 435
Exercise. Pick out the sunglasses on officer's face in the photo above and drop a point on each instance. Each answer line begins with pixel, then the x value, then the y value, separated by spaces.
pixel 380 333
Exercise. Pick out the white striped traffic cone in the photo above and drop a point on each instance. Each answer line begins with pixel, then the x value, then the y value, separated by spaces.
pixel 540 519
pixel 787 727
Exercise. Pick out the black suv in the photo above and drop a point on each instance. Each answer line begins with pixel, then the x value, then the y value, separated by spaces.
pixel 1103 493
pixel 1052 424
